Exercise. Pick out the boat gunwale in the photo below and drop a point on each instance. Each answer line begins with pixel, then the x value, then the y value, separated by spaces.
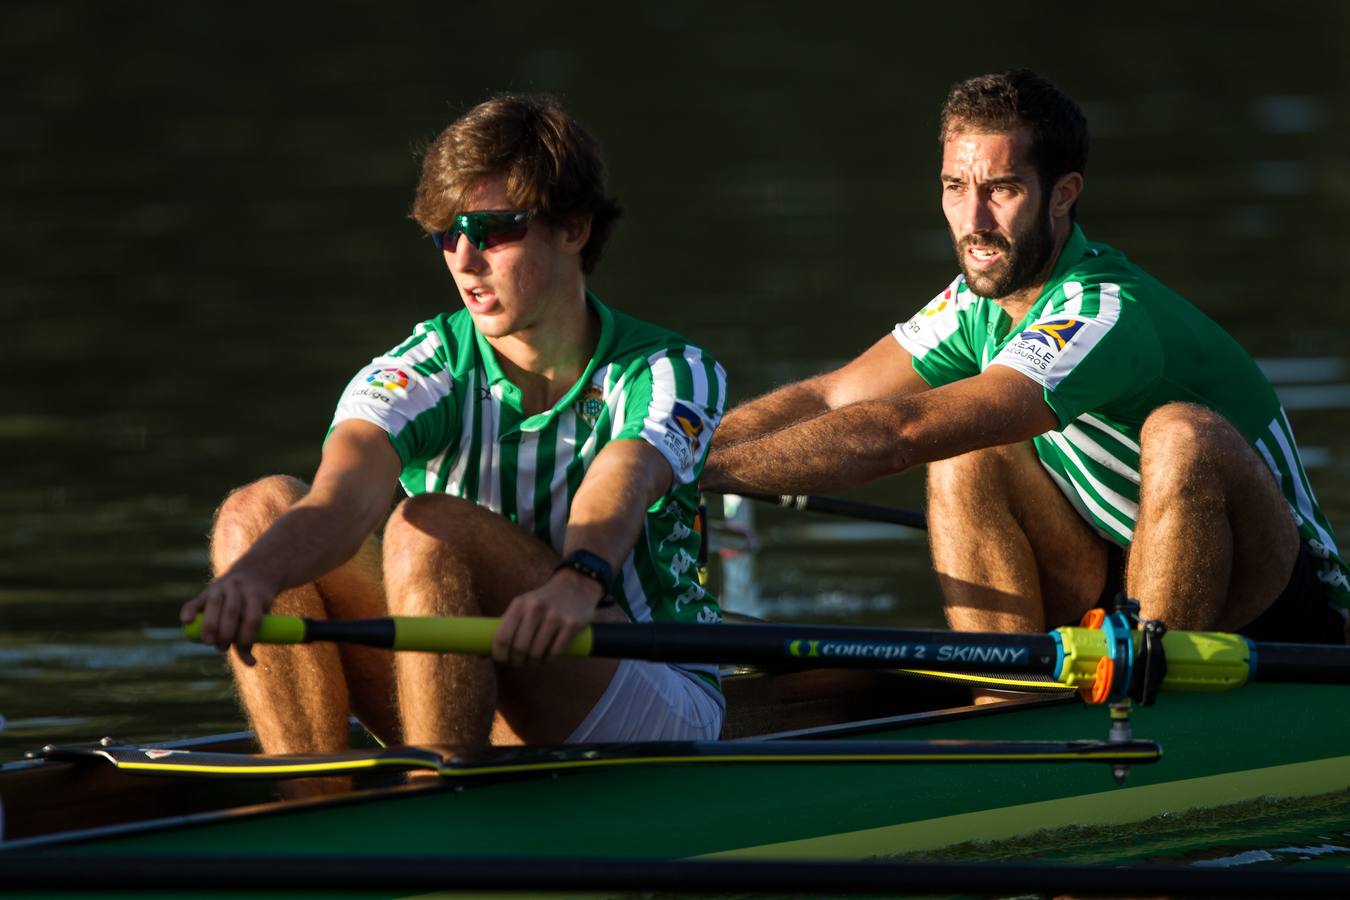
pixel 383 793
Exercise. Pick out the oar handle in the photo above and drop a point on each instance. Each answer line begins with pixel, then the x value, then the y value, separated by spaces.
pixel 431 634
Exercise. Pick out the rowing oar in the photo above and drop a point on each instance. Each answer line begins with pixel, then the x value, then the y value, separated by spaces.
pixel 852 509
pixel 1108 663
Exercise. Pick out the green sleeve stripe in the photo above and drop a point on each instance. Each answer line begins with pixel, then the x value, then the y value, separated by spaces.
pixel 714 377
pixel 684 377
pixel 418 337
pixel 429 367
pixel 1091 301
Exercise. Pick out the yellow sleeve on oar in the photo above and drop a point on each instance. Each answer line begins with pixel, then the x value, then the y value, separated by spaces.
pixel 462 634
pixel 1208 661
pixel 273 630
pixel 455 634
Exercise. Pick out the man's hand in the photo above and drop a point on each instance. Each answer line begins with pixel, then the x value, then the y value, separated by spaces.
pixel 232 608
pixel 542 622
pixel 323 529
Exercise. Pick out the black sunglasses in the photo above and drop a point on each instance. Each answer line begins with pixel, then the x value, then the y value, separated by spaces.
pixel 484 229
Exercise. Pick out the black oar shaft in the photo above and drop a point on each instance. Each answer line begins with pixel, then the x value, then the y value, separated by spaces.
pixel 821 646
pixel 1306 663
pixel 853 509
pixel 370 632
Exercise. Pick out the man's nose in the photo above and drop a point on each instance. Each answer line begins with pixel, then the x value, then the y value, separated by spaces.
pixel 464 256
pixel 978 214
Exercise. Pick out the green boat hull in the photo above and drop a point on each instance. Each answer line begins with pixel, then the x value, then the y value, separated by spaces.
pixel 1261 741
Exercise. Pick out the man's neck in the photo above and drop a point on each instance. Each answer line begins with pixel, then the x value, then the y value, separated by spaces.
pixel 548 358
pixel 1019 302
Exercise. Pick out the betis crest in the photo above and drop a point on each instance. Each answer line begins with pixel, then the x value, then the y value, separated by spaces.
pixel 589 404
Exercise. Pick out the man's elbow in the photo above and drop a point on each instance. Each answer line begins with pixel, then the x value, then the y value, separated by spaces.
pixel 886 449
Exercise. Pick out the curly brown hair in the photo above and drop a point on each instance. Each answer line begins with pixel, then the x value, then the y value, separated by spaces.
pixel 551 164
pixel 1000 103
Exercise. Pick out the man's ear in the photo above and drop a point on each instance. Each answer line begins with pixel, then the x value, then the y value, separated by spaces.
pixel 1065 194
pixel 576 231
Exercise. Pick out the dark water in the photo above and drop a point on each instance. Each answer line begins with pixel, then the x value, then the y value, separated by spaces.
pixel 205 232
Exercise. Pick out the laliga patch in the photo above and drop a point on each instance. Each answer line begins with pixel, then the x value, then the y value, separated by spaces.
pixel 390 379
pixel 590 404
pixel 383 385
pixel 930 326
pixel 937 304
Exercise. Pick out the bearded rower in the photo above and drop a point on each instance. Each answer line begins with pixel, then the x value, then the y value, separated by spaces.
pixel 1086 429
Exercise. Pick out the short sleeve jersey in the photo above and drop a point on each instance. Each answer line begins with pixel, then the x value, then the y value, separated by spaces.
pixel 1109 344
pixel 457 425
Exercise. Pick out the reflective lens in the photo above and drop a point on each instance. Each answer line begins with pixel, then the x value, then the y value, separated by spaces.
pixel 484 229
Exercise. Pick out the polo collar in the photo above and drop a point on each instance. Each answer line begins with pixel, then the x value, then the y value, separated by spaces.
pixel 509 394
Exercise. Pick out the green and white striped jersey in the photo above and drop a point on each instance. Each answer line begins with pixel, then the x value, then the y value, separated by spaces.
pixel 457 425
pixel 1109 344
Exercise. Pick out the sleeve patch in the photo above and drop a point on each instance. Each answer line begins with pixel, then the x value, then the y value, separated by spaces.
pixel 933 324
pixel 685 438
pixel 1043 349
pixel 382 385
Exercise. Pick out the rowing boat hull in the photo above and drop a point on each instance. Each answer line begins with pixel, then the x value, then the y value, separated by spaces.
pixel 1262 741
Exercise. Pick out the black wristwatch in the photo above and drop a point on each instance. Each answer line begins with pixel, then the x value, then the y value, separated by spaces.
pixel 593 567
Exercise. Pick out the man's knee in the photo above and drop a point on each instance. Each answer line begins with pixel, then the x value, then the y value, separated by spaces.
pixel 248 511
pixel 432 529
pixel 975 476
pixel 1187 434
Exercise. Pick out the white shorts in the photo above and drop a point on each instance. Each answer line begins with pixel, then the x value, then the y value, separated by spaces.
pixel 649 701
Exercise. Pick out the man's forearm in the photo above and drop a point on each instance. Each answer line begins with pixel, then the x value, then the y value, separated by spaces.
pixel 610 507
pixel 835 449
pixel 771 412
pixel 308 541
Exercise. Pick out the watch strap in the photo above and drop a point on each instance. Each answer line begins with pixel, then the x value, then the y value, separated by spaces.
pixel 593 567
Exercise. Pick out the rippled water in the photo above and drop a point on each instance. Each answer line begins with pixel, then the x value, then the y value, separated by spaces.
pixel 205 232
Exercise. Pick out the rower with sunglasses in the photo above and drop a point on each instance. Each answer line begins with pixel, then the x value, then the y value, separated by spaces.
pixel 550 447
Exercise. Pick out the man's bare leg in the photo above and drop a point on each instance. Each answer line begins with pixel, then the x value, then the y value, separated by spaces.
pixel 447 557
pixel 298 698
pixel 1214 542
pixel 1010 552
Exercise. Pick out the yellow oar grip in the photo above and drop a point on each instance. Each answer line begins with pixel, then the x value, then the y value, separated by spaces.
pixel 1197 661
pixel 273 630
pixel 462 634
pixel 457 634
pixel 1205 660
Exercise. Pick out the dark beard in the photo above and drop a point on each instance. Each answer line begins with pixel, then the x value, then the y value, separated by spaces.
pixel 1022 262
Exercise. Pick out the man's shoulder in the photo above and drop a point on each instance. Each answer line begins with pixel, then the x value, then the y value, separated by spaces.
pixel 445 340
pixel 637 339
pixel 1101 282
pixel 1101 265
